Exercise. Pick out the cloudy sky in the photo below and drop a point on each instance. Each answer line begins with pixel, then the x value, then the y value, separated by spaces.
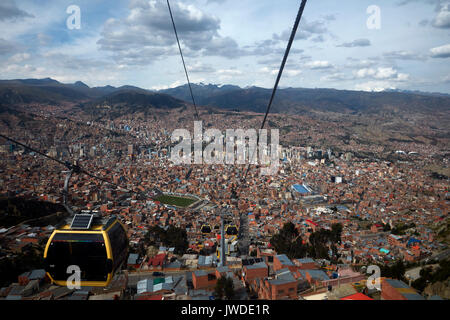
pixel 351 44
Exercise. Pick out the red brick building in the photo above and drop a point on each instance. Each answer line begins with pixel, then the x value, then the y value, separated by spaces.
pixel 258 270
pixel 204 280
pixel 267 254
pixel 396 241
pixel 305 263
pixel 284 286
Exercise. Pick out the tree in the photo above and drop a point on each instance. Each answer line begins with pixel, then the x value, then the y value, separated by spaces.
pixel 172 237
pixel 336 230
pixel 287 241
pixel 229 288
pixel 224 288
pixel 396 271
pixel 219 289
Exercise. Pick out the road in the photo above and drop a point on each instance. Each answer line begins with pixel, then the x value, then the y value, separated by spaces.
pixel 441 256
pixel 438 256
pixel 413 274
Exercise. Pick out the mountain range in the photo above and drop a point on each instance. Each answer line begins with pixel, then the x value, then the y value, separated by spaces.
pixel 228 97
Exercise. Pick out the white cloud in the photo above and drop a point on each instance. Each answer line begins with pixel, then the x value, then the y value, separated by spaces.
pixel 446 78
pixel 199 67
pixel 292 73
pixel 43 39
pixel 381 73
pixel 306 30
pixel 364 63
pixel 442 19
pixel 7 47
pixel 19 57
pixel 441 52
pixel 10 11
pixel 356 43
pixel 403 55
pixel 337 76
pixel 146 34
pixel 231 72
pixel 319 64
pixel 385 73
pixel 272 71
pixel 402 77
pixel 376 86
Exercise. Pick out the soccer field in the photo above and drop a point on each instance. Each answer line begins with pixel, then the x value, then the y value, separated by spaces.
pixel 176 201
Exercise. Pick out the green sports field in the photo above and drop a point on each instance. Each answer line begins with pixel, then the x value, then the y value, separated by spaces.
pixel 175 201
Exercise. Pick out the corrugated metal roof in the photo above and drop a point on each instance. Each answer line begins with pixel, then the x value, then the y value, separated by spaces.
pixel 306 260
pixel 397 283
pixel 208 260
pixel 258 265
pixel 157 287
pixel 16 290
pixel 315 274
pixel 200 273
pixel 284 260
pixel 223 269
pixel 132 258
pixel 285 275
pixel 205 260
pixel 413 296
pixel 145 285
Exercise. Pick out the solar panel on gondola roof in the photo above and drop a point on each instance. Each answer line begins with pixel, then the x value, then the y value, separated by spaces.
pixel 81 221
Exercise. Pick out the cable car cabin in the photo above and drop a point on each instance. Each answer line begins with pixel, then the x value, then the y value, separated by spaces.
pixel 206 229
pixel 98 246
pixel 231 230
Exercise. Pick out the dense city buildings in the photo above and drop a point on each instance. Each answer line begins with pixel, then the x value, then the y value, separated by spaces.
pixel 389 211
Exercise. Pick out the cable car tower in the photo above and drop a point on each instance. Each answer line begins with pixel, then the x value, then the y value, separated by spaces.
pixel 224 248
pixel 221 251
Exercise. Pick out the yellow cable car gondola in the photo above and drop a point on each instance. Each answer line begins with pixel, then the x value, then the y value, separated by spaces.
pixel 206 229
pixel 231 230
pixel 97 246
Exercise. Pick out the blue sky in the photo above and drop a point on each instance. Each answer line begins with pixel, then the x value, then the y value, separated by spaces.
pixel 230 42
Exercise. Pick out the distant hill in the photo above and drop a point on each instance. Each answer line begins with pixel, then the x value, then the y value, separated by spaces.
pixel 43 91
pixel 129 101
pixel 201 92
pixel 302 100
pixel 53 92
pixel 433 94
